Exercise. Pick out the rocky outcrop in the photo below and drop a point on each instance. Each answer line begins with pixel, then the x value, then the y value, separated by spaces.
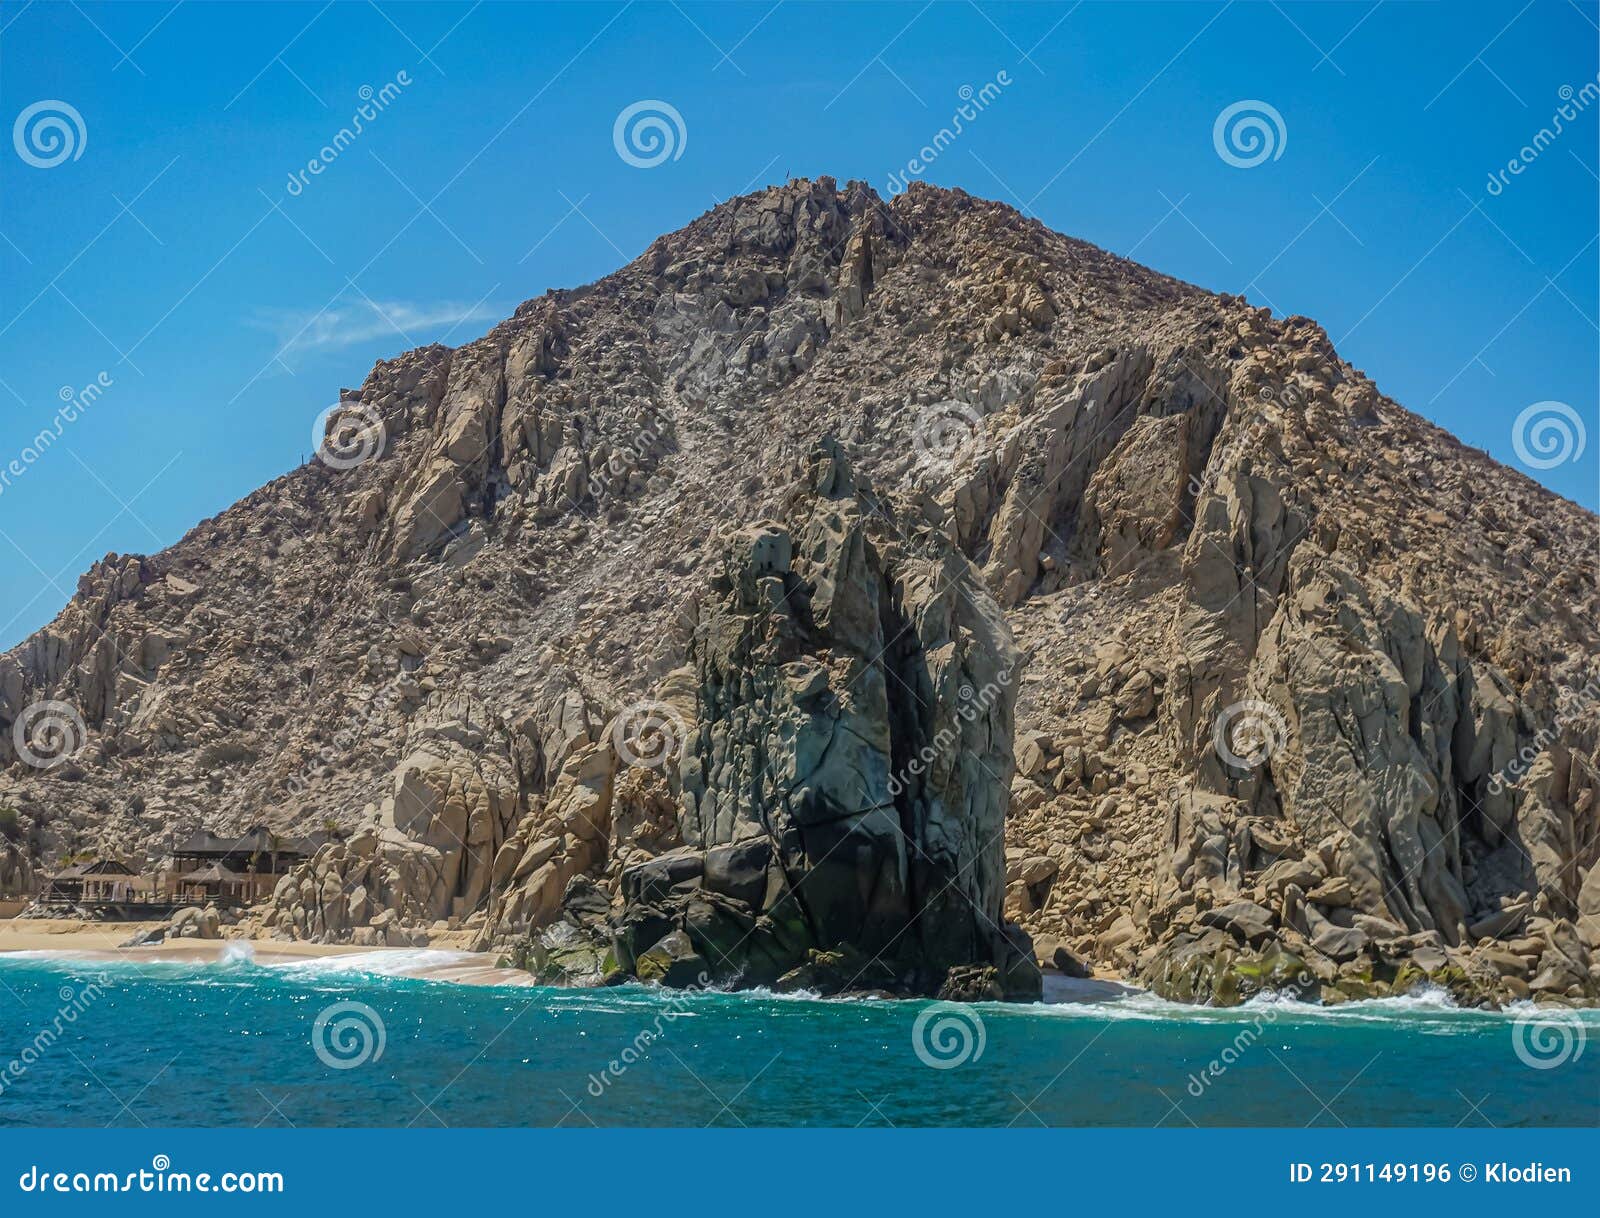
pixel 425 854
pixel 16 872
pixel 1310 686
pixel 566 836
pixel 845 779
pixel 1358 750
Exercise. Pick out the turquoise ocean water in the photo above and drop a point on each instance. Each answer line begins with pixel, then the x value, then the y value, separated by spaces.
pixel 337 1043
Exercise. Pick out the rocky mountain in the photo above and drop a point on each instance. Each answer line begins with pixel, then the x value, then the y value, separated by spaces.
pixel 841 586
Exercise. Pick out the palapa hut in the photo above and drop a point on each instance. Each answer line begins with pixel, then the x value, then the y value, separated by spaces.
pixel 254 860
pixel 215 882
pixel 96 880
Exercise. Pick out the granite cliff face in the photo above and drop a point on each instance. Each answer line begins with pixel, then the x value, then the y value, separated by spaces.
pixel 674 613
pixel 843 791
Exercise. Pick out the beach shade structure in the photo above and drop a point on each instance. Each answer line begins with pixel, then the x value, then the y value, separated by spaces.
pixel 257 857
pixel 214 880
pixel 256 841
pixel 95 880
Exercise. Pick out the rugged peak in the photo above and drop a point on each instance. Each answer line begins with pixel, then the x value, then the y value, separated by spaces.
pixel 800 481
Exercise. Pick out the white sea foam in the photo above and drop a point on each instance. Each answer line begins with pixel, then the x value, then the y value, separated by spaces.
pixel 386 962
pixel 239 952
pixel 763 994
pixel 1428 1008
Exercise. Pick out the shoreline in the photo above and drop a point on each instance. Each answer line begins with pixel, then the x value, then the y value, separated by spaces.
pixel 76 939
pixel 90 942
pixel 446 959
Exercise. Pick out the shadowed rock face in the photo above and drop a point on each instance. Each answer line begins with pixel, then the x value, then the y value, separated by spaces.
pixel 845 785
pixel 1312 690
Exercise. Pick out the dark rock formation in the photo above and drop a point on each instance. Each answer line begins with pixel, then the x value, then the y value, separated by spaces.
pixel 845 785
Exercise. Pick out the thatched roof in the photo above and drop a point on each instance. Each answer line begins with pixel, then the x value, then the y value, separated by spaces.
pixel 214 873
pixel 94 867
pixel 258 839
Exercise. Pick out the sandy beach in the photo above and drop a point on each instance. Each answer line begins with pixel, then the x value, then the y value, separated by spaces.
pixel 75 935
pixel 443 961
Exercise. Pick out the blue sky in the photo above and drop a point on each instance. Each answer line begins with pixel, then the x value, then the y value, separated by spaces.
pixel 168 260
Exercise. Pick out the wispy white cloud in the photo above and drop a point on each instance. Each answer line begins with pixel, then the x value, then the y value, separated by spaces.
pixel 350 323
